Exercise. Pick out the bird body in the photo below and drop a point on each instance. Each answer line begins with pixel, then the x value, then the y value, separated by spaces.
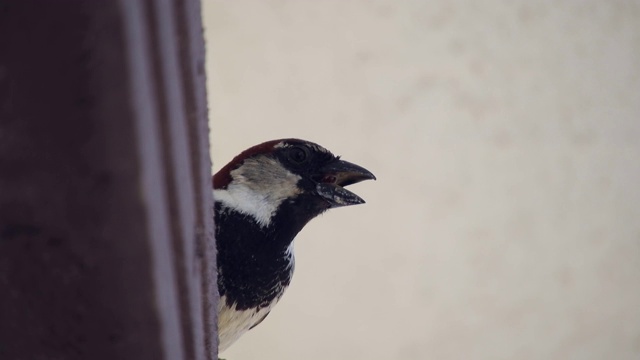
pixel 263 198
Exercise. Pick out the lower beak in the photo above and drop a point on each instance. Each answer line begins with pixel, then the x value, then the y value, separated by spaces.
pixel 332 178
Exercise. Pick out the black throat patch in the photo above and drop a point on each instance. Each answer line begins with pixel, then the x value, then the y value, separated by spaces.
pixel 255 264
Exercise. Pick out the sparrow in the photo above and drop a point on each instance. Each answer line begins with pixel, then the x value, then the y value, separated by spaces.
pixel 262 199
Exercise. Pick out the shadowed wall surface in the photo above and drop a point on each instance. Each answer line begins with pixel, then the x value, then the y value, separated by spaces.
pixel 504 224
pixel 106 224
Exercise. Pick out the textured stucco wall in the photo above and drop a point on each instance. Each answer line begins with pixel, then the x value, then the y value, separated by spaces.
pixel 505 223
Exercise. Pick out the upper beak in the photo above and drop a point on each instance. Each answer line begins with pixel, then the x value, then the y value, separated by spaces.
pixel 332 177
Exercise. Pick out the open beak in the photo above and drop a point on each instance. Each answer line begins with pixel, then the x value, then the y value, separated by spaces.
pixel 332 178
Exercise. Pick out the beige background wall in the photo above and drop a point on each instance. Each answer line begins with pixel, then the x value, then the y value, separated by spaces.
pixel 505 223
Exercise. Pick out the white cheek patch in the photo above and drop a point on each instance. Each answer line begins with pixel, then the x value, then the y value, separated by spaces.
pixel 258 188
pixel 247 202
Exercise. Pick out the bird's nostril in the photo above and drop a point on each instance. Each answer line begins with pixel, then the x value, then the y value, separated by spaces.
pixel 329 179
pixel 325 179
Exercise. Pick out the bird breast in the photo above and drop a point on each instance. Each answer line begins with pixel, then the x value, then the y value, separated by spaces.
pixel 233 323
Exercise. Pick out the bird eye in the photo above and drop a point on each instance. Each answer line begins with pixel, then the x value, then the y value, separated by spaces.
pixel 298 155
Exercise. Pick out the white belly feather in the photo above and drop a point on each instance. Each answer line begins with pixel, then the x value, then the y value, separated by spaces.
pixel 232 323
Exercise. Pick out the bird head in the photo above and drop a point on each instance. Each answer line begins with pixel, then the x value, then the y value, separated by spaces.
pixel 294 176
